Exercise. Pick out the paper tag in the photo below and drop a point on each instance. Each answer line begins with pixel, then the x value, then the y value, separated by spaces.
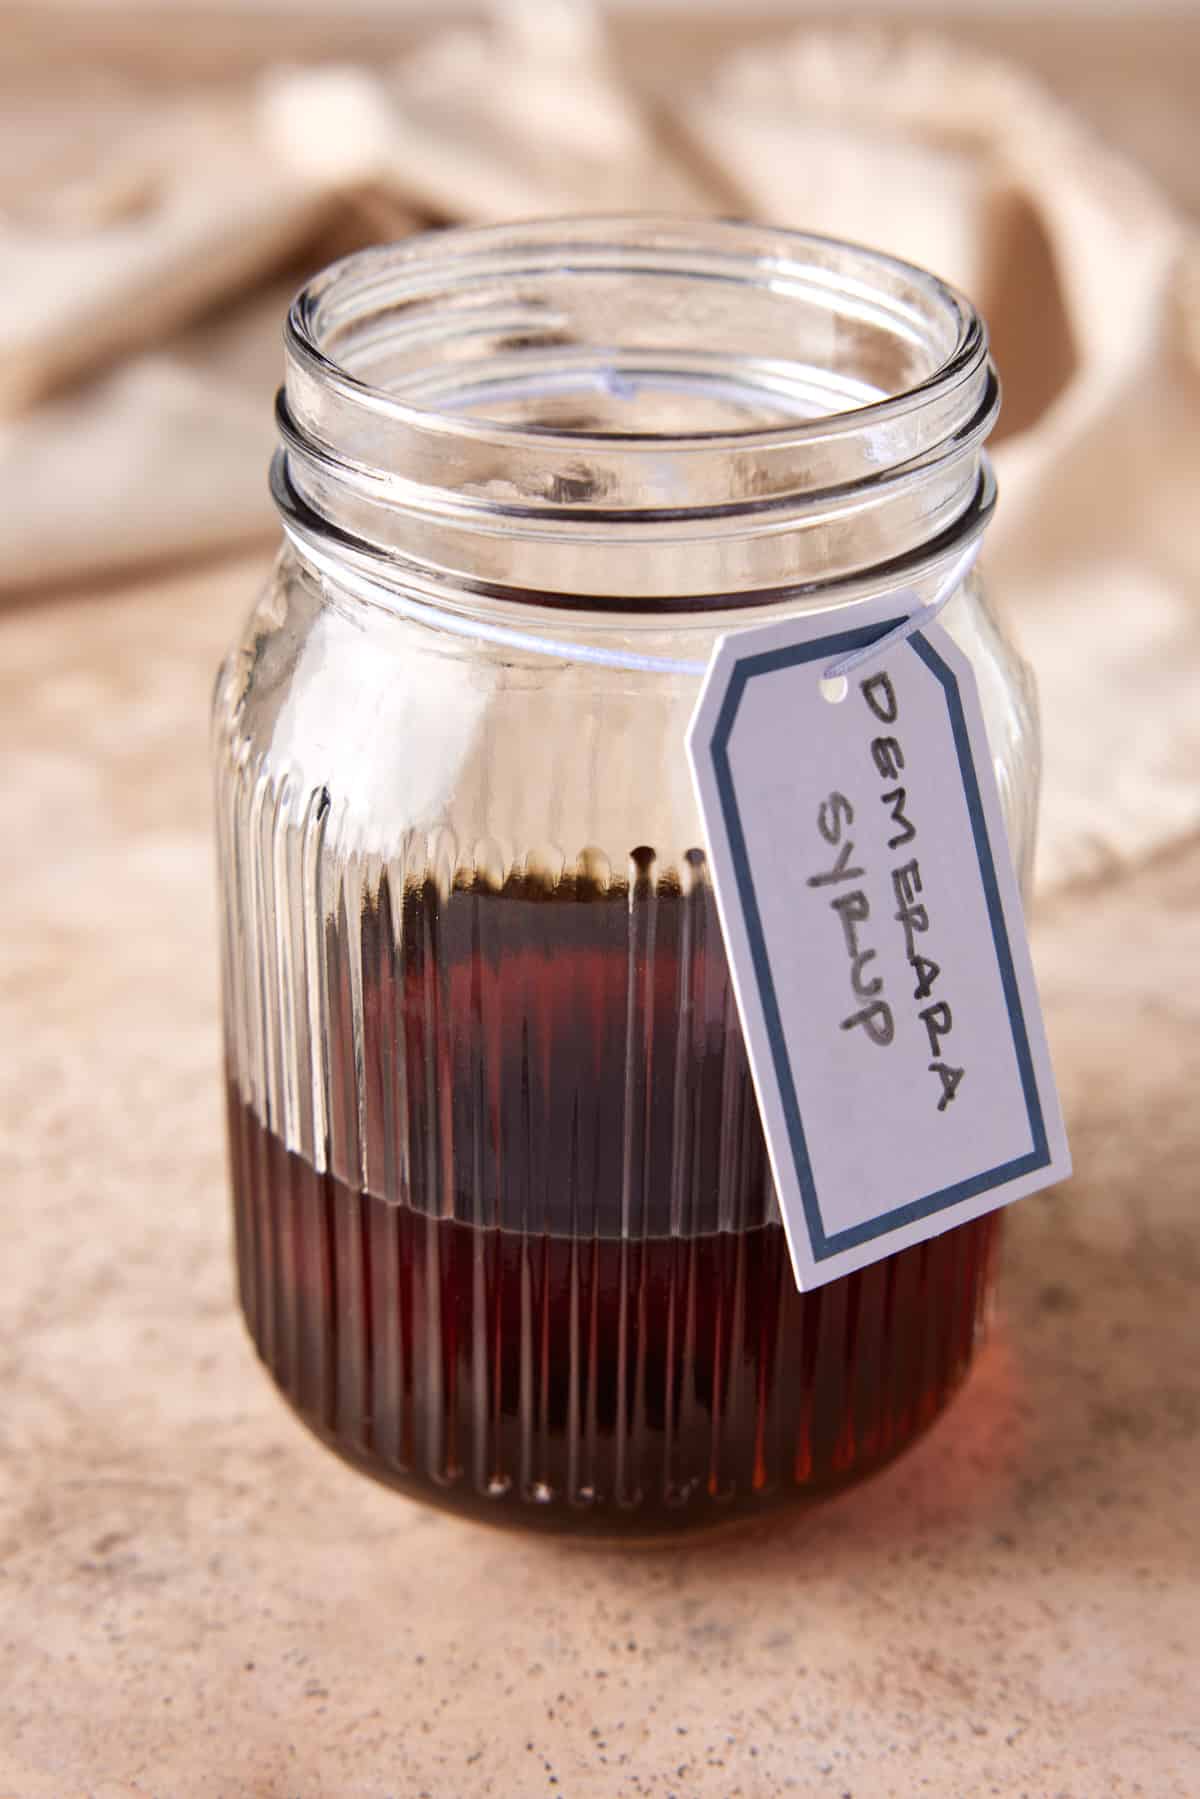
pixel 875 934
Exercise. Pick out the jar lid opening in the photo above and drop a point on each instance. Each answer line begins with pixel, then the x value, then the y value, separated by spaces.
pixel 588 388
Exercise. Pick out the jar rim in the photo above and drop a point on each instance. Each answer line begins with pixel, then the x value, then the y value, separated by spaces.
pixel 356 278
pixel 825 405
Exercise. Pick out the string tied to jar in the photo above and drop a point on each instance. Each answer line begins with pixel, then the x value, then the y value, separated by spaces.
pixel 920 615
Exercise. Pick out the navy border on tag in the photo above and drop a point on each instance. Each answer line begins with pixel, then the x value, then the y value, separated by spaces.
pixel 826 649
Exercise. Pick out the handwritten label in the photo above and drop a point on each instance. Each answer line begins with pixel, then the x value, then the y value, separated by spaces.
pixel 875 934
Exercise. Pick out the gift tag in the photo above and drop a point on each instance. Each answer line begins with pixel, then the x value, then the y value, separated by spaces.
pixel 875 934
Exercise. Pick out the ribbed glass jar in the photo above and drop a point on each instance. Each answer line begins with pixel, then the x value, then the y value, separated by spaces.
pixel 506 1232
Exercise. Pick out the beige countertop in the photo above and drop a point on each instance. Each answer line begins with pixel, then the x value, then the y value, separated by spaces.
pixel 196 1599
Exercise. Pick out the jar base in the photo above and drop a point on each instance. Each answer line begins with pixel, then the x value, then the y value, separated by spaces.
pixel 620 1388
pixel 610 1525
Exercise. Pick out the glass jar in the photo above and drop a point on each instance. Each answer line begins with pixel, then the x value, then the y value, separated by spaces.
pixel 506 1233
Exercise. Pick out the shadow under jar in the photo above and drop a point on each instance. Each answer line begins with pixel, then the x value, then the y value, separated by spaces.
pixel 506 1230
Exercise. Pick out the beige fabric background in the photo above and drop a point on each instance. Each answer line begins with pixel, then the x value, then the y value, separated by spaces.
pixel 150 244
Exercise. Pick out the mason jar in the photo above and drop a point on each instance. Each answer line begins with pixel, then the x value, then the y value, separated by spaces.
pixel 506 1233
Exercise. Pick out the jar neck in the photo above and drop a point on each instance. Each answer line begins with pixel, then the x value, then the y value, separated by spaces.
pixel 639 415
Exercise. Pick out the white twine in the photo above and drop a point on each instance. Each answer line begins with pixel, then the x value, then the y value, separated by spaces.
pixel 916 621
pixel 443 619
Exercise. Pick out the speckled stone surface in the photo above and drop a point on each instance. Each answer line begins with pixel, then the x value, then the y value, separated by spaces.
pixel 197 1600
